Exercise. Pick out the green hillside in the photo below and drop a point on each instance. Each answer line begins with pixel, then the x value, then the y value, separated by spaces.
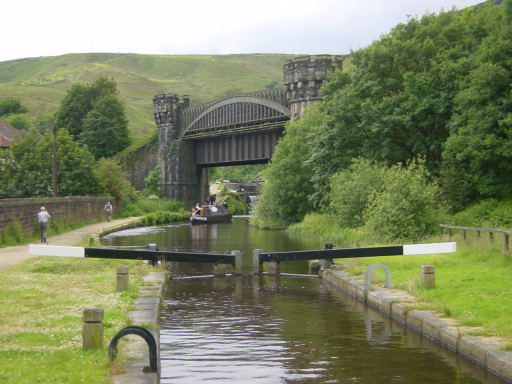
pixel 40 83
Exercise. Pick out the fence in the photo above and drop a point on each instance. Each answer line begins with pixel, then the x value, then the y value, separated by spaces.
pixel 478 231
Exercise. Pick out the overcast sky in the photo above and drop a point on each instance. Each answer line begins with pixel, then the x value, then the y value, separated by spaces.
pixel 33 28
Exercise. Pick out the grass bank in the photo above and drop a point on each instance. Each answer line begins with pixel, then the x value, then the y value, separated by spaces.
pixel 41 305
pixel 472 286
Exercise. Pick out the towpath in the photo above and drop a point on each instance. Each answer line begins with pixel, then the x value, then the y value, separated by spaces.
pixel 16 254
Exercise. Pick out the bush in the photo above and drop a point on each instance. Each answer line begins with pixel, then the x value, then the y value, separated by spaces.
pixel 163 217
pixel 489 213
pixel 144 206
pixel 407 207
pixel 13 233
pixel 351 191
pixel 236 206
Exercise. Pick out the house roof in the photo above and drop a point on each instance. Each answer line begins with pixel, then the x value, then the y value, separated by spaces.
pixel 7 134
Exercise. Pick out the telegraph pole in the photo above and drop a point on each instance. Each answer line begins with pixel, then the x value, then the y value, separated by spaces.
pixel 54 162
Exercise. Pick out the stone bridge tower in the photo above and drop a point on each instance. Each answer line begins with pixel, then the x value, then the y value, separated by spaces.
pixel 303 78
pixel 182 179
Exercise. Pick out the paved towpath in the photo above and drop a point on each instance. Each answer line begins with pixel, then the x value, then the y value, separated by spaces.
pixel 16 254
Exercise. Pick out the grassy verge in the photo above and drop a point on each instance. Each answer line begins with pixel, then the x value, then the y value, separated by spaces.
pixel 472 286
pixel 41 305
pixel 15 236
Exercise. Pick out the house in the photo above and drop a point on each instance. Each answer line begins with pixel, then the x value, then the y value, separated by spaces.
pixel 7 134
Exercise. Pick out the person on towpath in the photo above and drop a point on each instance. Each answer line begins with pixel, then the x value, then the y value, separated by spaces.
pixel 108 211
pixel 42 217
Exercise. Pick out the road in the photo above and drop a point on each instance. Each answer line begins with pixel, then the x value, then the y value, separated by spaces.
pixel 16 254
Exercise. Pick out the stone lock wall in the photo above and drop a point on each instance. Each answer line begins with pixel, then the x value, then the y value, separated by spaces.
pixel 62 209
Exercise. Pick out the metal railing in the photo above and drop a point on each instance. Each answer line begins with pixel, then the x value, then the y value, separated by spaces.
pixel 491 232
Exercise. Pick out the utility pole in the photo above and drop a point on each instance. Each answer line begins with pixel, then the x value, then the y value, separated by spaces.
pixel 54 162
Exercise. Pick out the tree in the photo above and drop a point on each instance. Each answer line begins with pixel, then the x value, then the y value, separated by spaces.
pixel 73 108
pixel 79 101
pixel 284 198
pixel 28 167
pixel 477 157
pixel 11 106
pixel 114 181
pixel 153 183
pixel 105 128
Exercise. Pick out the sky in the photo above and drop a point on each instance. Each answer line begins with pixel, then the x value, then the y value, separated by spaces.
pixel 33 28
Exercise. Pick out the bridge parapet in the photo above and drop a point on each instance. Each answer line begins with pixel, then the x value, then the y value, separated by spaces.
pixel 188 114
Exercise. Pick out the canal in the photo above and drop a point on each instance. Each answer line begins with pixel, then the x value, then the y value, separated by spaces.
pixel 263 329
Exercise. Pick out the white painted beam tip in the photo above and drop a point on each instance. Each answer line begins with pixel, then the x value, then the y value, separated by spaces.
pixel 56 250
pixel 432 248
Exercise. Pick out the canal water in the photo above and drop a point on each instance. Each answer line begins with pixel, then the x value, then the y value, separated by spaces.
pixel 287 329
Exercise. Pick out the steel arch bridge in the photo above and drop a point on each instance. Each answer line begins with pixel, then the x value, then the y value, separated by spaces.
pixel 236 130
pixel 243 129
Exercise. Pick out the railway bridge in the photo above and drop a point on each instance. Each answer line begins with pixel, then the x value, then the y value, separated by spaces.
pixel 242 129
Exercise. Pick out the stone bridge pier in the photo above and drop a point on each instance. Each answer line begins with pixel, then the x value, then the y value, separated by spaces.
pixel 182 179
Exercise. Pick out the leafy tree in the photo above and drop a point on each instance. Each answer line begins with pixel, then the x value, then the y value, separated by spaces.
pixel 478 153
pixel 28 167
pixel 18 121
pixel 284 198
pixel 11 106
pixel 114 181
pixel 79 101
pixel 105 128
pixel 153 183
pixel 73 108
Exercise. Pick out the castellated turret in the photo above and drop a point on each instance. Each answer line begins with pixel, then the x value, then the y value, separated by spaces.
pixel 304 76
pixel 177 167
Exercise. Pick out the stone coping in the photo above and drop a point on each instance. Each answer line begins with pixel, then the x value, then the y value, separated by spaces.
pixel 146 314
pixel 483 351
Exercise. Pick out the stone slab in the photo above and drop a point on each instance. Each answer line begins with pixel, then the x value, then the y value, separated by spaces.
pixel 476 348
pixel 500 364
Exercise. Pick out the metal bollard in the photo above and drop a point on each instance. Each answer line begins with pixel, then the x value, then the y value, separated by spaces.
pixel 123 278
pixel 92 331
pixel 428 274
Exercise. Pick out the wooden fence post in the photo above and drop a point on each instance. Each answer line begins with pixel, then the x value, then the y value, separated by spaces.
pixel 92 331
pixel 123 278
pixel 428 275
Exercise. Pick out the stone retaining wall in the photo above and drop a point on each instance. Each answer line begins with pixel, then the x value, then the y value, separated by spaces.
pixel 62 209
pixel 483 351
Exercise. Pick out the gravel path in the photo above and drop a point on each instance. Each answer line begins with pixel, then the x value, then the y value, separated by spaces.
pixel 16 254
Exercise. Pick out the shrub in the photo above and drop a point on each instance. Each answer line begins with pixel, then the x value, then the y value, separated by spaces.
pixel 407 207
pixel 13 233
pixel 351 191
pixel 489 213
pixel 235 206
pixel 144 206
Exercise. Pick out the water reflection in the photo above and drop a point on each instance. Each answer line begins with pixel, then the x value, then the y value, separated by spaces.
pixel 279 329
pixel 293 330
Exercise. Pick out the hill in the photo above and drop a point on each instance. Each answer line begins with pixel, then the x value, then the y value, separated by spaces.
pixel 40 83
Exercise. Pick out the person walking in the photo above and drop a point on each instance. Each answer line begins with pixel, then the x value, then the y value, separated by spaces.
pixel 42 217
pixel 108 210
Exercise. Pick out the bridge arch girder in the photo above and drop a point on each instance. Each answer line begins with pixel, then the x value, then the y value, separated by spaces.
pixel 237 114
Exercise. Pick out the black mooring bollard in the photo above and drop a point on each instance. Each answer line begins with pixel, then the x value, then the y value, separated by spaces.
pixel 146 335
